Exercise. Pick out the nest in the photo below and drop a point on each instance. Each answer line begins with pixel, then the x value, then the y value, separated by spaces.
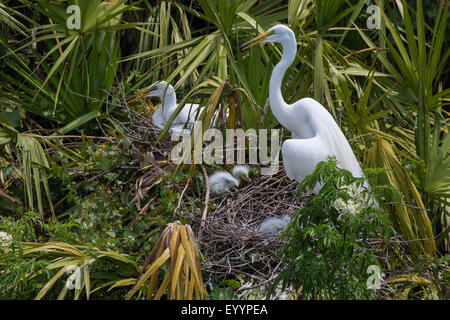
pixel 231 242
pixel 230 238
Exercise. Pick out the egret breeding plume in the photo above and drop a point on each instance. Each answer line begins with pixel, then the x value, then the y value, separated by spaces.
pixel 166 93
pixel 221 182
pixel 315 134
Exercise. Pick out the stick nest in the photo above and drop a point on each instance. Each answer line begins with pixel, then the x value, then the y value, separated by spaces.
pixel 230 238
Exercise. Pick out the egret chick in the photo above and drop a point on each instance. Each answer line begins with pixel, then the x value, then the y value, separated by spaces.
pixel 274 225
pixel 241 171
pixel 221 182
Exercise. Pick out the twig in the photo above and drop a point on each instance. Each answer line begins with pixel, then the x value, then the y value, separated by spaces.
pixel 205 210
pixel 407 205
pixel 364 50
pixel 67 137
pixel 4 194
pixel 142 212
pixel 255 286
pixel 181 198
pixel 360 136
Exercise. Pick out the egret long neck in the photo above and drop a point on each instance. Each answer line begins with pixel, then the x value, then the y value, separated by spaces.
pixel 279 107
pixel 169 103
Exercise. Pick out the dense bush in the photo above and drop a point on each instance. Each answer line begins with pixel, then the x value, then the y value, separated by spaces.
pixel 329 245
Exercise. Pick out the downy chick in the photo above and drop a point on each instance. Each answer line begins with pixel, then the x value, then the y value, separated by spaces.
pixel 221 182
pixel 274 225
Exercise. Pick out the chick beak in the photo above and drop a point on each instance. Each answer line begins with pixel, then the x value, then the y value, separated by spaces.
pixel 256 40
pixel 246 178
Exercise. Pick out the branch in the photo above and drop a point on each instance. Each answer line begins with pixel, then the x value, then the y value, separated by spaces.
pixel 205 210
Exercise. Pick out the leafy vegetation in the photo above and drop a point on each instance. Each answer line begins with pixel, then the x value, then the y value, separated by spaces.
pixel 87 189
pixel 328 249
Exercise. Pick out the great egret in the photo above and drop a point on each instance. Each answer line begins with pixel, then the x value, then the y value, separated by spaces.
pixel 274 225
pixel 166 93
pixel 221 182
pixel 315 134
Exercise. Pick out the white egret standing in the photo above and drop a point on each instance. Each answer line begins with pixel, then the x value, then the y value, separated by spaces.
pixel 315 134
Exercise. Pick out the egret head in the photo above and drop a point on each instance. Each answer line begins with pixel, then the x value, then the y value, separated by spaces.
pixel 160 89
pixel 279 33
pixel 241 171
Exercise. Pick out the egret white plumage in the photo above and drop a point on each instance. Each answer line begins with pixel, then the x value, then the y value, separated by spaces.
pixel 315 134
pixel 274 225
pixel 221 182
pixel 240 171
pixel 166 93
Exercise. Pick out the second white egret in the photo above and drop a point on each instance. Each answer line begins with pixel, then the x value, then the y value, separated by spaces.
pixel 166 93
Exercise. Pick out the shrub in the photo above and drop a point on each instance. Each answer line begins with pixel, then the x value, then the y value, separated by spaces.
pixel 328 251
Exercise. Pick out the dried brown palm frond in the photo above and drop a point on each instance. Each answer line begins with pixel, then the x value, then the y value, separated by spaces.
pixel 152 177
pixel 176 249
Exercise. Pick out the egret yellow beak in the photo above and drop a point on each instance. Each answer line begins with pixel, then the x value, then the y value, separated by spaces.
pixel 256 40
pixel 138 96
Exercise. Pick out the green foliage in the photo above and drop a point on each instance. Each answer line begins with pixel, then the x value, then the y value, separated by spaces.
pixel 78 190
pixel 415 65
pixel 218 293
pixel 328 249
pixel 13 282
pixel 79 65
pixel 33 163
pixel 28 266
pixel 214 55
